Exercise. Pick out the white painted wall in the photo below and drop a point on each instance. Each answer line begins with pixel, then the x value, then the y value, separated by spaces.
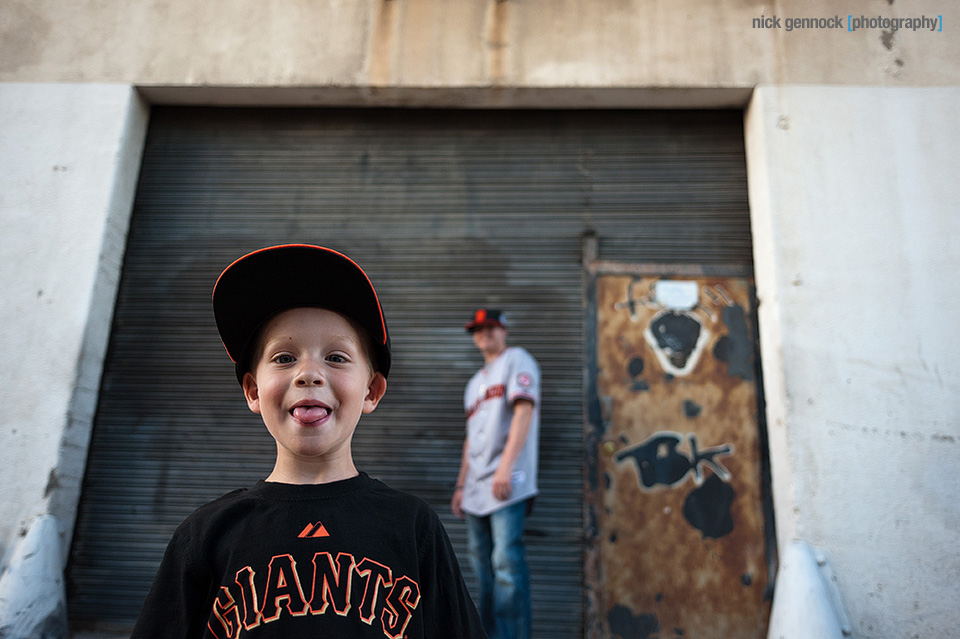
pixel 69 160
pixel 855 201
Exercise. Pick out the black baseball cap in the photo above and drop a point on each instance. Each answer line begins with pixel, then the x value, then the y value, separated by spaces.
pixel 265 282
pixel 486 317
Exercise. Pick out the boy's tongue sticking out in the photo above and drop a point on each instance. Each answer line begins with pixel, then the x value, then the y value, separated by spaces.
pixel 310 413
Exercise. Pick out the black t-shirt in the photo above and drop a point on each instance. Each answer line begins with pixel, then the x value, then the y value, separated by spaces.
pixel 350 559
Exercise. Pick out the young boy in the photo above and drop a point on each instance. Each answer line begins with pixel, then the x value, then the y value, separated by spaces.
pixel 318 549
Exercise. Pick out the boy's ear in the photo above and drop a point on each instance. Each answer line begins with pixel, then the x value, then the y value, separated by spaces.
pixel 375 390
pixel 251 392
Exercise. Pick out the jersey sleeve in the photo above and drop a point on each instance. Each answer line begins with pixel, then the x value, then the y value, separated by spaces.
pixel 177 605
pixel 523 378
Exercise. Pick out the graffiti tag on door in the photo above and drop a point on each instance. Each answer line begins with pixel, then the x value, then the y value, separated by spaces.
pixel 659 461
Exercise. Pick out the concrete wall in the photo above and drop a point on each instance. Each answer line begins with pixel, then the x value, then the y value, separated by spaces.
pixel 513 45
pixel 854 199
pixel 69 159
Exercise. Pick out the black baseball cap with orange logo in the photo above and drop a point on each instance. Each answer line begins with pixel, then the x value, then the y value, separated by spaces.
pixel 486 317
pixel 265 282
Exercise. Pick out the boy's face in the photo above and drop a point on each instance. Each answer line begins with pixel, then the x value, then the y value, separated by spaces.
pixel 491 340
pixel 310 384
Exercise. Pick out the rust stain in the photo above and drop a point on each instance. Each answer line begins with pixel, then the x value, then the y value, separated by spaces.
pixel 684 547
pixel 497 46
pixel 386 26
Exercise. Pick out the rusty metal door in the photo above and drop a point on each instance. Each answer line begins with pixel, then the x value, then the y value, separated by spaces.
pixel 678 486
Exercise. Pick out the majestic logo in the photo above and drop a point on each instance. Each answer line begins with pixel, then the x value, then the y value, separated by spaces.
pixel 524 379
pixel 314 530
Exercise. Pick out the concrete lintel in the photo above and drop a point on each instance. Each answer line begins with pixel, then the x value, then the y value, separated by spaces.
pixel 485 97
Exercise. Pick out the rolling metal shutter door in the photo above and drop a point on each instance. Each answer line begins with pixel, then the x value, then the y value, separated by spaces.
pixel 446 211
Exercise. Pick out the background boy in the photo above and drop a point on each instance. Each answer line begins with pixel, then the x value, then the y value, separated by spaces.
pixel 498 473
pixel 318 548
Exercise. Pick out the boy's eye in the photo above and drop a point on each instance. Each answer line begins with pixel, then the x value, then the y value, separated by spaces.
pixel 283 358
pixel 337 359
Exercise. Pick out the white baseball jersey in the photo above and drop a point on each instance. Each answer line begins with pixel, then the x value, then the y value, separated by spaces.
pixel 488 401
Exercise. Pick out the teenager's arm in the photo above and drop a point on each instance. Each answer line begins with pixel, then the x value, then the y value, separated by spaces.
pixel 516 440
pixel 456 502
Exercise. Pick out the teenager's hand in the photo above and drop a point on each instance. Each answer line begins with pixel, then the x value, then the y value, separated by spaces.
pixel 456 503
pixel 502 487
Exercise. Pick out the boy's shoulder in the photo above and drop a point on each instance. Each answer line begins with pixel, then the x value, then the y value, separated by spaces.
pixel 226 499
pixel 211 509
pixel 405 514
pixel 399 499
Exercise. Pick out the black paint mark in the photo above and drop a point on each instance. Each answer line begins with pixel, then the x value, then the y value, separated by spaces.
pixel 613 538
pixel 676 335
pixel 708 508
pixel 691 409
pixel 659 462
pixel 721 347
pixel 886 38
pixel 625 625
pixel 607 480
pixel 659 597
pixel 635 368
pixel 746 579
pixel 735 348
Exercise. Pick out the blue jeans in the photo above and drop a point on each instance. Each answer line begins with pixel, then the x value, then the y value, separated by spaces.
pixel 500 563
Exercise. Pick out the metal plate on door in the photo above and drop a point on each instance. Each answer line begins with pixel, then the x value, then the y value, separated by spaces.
pixel 679 537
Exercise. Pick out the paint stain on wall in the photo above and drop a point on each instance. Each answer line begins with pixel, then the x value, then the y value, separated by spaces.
pixel 691 409
pixel 386 24
pixel 625 625
pixel 659 460
pixel 497 46
pixel 676 335
pixel 735 348
pixel 635 368
pixel 708 508
pixel 886 38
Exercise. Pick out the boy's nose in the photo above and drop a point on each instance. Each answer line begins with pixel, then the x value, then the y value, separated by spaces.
pixel 309 375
